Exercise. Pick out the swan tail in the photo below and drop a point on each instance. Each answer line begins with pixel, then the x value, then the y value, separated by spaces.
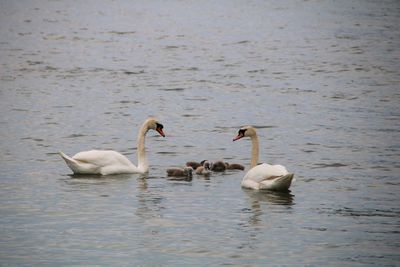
pixel 72 164
pixel 281 183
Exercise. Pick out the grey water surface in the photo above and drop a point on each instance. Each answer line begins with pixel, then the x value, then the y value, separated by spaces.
pixel 319 79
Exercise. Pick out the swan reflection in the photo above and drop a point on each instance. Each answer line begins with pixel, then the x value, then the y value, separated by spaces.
pixel 149 203
pixel 259 197
pixel 94 179
pixel 271 197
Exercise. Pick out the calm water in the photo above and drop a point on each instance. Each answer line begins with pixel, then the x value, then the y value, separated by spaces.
pixel 320 79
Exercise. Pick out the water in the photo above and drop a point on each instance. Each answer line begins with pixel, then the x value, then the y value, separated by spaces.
pixel 319 79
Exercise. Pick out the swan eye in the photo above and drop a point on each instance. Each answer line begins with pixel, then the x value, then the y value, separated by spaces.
pixel 241 132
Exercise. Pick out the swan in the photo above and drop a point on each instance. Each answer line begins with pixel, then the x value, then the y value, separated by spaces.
pixel 106 162
pixel 263 176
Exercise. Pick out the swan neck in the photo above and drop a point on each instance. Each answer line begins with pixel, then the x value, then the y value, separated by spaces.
pixel 254 151
pixel 141 150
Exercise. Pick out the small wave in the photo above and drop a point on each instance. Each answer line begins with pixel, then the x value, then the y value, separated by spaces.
pixel 30 62
pixel 121 32
pixel 20 109
pixel 257 71
pixel 237 43
pixel 322 229
pixel 341 96
pixel 191 116
pixel 173 47
pixel 173 89
pixel 66 106
pixel 133 72
pixel 197 99
pixel 312 144
pixel 51 123
pixel 128 102
pixel 329 165
pixel 8 78
pixel 167 153
pixel 381 168
pixel 75 135
pixel 366 213
pixel 264 126
pixel 185 69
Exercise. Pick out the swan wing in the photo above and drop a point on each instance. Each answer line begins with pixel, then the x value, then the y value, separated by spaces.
pixel 106 161
pixel 266 176
pixel 264 172
pixel 80 167
pixel 102 157
pixel 281 183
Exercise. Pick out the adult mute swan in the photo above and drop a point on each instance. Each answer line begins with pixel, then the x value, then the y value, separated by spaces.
pixel 107 162
pixel 263 176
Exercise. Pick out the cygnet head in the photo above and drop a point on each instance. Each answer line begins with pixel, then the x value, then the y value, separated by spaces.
pixel 218 166
pixel 154 124
pixel 188 171
pixel 246 131
pixel 204 169
pixel 205 164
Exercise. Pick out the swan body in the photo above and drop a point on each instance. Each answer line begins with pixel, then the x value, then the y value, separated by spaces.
pixel 106 162
pixel 102 162
pixel 266 176
pixel 263 176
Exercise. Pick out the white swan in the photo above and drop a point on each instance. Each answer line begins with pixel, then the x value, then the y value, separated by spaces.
pixel 107 162
pixel 263 176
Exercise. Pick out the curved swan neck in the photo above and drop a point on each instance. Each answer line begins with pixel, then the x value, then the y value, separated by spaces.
pixel 254 150
pixel 141 150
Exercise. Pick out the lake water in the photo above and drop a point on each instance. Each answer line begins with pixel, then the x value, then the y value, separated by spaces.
pixel 320 80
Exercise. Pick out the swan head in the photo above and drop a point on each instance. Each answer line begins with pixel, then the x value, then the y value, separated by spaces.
pixel 154 124
pixel 246 131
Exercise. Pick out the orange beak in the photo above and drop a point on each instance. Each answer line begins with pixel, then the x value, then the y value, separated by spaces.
pixel 160 131
pixel 238 137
